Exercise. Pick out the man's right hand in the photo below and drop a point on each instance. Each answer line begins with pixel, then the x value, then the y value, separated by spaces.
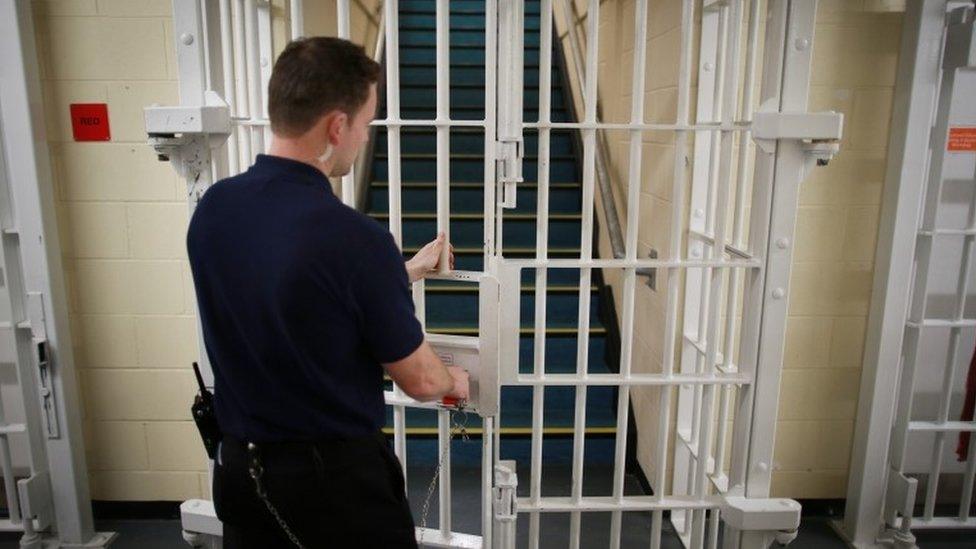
pixel 461 379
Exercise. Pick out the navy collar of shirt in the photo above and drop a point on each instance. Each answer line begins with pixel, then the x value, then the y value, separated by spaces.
pixel 267 164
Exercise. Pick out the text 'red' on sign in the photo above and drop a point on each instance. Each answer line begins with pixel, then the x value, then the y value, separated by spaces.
pixel 89 121
pixel 962 139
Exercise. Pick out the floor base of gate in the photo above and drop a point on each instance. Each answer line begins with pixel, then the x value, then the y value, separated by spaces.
pixel 202 528
pixel 99 540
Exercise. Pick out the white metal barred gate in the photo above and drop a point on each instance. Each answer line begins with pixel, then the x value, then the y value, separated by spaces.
pixel 730 238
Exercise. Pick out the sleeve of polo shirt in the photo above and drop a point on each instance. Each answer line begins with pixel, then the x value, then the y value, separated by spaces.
pixel 381 290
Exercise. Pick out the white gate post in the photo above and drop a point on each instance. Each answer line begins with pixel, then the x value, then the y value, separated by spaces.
pixel 908 148
pixel 786 78
pixel 57 489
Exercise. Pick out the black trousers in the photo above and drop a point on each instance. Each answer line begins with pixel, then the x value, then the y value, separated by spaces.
pixel 331 493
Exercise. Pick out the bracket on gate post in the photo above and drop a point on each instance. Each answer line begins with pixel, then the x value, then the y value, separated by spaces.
pixel 818 132
pixel 186 136
pixel 41 354
pixel 778 517
pixel 504 504
pixel 510 147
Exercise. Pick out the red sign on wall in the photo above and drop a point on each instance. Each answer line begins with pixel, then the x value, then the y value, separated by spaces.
pixel 962 139
pixel 89 121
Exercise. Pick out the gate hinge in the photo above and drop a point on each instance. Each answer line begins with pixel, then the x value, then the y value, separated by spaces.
pixel 899 497
pixel 37 324
pixel 185 135
pixel 34 493
pixel 45 388
pixel 819 132
pixel 778 516
pixel 504 504
pixel 509 168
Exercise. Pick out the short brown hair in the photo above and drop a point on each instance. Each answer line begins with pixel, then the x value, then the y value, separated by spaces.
pixel 314 76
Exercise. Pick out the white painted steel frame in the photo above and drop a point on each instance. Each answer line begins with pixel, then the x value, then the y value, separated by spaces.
pixel 935 86
pixel 757 373
pixel 51 503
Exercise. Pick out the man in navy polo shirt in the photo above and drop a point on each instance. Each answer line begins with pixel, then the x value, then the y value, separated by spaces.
pixel 304 303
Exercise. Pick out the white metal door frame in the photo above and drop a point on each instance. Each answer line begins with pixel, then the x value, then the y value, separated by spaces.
pixel 935 85
pixel 50 503
pixel 791 141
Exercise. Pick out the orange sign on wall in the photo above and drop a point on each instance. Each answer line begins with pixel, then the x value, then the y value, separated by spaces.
pixel 962 139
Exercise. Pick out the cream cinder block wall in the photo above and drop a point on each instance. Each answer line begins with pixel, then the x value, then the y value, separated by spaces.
pixel 122 216
pixel 855 53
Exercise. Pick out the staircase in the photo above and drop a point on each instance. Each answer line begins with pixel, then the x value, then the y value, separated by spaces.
pixel 453 308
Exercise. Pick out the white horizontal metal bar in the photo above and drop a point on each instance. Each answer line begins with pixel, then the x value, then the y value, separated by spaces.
pixel 426 123
pixel 435 538
pixel 249 121
pixel 609 503
pixel 7 525
pixel 939 523
pixel 625 263
pixel 942 426
pixel 942 323
pixel 399 399
pixel 729 248
pixel 610 380
pixel 12 428
pixel 947 232
pixel 702 127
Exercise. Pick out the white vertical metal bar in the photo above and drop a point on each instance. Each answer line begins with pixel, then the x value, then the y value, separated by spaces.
pixel 252 53
pixel 241 86
pixel 297 12
pixel 348 180
pixel 9 480
pixel 704 336
pixel 966 498
pixel 265 58
pixel 444 482
pixel 491 94
pixel 742 165
pixel 342 17
pixel 728 89
pixel 678 200
pixel 586 253
pixel 443 117
pixel 630 273
pixel 230 91
pixel 487 467
pixel 391 20
pixel 541 253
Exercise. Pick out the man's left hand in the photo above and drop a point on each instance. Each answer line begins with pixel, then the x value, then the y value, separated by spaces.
pixel 426 260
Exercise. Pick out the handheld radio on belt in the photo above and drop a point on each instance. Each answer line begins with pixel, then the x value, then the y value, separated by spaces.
pixel 205 416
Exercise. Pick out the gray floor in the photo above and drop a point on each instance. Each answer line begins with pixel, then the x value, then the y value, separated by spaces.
pixel 815 531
